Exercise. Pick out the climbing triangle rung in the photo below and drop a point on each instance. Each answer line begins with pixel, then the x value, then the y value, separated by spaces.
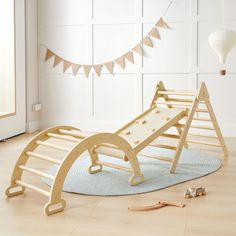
pixel 195 126
pixel 202 119
pixel 174 103
pixel 36 172
pixel 180 100
pixel 182 93
pixel 43 157
pixel 30 186
pixel 111 165
pixel 199 119
pixel 163 146
pixel 202 110
pixel 50 145
pixel 174 136
pixel 203 143
pixel 202 127
pixel 203 136
pixel 63 137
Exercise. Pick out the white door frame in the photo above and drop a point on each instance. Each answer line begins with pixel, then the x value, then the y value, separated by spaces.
pixel 16 123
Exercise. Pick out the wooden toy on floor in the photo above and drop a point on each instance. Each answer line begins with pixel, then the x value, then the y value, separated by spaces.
pixel 159 205
pixel 170 109
pixel 194 192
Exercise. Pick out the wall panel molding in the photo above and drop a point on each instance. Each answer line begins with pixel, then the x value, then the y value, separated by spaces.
pixel 181 59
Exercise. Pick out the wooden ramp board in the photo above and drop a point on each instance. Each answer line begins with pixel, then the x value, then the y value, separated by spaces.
pixel 149 125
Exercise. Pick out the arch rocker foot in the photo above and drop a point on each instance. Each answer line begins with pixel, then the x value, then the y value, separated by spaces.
pixel 14 190
pixel 54 207
pixel 95 168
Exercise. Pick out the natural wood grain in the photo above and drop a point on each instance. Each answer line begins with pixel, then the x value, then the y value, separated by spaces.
pixel 129 141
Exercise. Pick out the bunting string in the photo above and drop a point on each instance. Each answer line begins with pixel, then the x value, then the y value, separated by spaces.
pixel 120 61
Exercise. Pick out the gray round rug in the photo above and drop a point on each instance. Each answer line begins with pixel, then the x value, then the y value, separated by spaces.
pixel 110 182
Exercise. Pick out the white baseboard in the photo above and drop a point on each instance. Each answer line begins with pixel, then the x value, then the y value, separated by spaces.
pixel 32 126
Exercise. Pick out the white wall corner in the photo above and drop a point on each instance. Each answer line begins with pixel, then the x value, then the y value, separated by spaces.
pixel 32 87
pixel 32 126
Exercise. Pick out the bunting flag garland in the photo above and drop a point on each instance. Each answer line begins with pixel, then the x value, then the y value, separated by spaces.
pixel 154 33
pixel 138 49
pixel 98 69
pixel 87 69
pixel 162 24
pixel 49 54
pixel 109 66
pixel 121 62
pixel 66 65
pixel 57 60
pixel 75 69
pixel 147 41
pixel 129 56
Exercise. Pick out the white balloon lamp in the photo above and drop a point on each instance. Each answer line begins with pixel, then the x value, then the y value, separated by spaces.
pixel 222 41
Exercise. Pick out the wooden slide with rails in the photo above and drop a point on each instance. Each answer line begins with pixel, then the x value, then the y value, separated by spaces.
pixel 171 115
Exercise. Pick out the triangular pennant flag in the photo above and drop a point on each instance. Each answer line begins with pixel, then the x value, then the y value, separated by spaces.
pixel 147 41
pixel 57 60
pixel 162 24
pixel 75 68
pixel 109 65
pixel 98 69
pixel 129 56
pixel 154 33
pixel 87 69
pixel 66 65
pixel 121 62
pixel 138 49
pixel 49 54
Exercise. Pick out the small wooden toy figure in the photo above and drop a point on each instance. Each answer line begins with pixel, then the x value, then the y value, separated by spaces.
pixel 194 192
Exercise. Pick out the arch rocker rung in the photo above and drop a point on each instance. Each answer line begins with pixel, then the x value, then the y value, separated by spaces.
pixel 43 157
pixel 36 172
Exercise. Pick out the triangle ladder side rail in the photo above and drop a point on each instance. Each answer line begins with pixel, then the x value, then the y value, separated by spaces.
pixel 159 86
pixel 183 135
pixel 217 128
pixel 214 121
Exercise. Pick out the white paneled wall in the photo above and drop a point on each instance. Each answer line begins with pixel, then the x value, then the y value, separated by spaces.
pixel 95 31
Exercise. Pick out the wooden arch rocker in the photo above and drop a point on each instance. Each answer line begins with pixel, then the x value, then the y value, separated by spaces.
pixel 169 109
pixel 55 203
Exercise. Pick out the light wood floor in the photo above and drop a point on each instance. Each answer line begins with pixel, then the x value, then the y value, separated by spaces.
pixel 213 214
